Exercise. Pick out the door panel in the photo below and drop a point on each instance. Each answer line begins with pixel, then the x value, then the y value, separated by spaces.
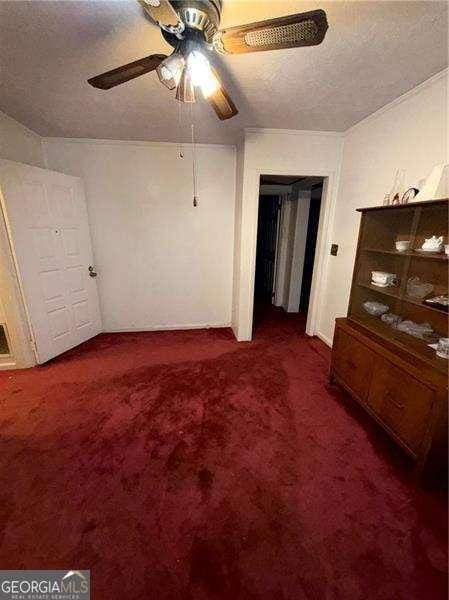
pixel 353 362
pixel 267 233
pixel 403 402
pixel 48 224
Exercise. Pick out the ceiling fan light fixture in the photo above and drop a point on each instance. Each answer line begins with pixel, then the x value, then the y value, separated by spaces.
pixel 170 71
pixel 185 92
pixel 201 73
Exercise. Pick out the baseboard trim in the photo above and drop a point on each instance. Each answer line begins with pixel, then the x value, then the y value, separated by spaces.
pixel 324 339
pixel 7 366
pixel 183 327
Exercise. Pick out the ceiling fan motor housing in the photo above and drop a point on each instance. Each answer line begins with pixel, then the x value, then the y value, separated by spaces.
pixel 199 16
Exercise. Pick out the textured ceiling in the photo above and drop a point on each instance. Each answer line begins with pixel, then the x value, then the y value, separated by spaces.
pixel 373 52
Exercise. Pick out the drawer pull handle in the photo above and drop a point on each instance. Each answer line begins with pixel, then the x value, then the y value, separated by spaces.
pixel 391 400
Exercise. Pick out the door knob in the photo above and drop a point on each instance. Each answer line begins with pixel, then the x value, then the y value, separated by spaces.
pixel 92 273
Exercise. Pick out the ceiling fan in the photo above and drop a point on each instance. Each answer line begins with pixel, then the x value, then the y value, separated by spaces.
pixel 191 28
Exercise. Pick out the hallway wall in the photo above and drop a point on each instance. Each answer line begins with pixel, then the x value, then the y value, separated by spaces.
pixel 279 152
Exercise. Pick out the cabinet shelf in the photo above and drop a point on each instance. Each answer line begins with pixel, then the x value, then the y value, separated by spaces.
pixel 423 305
pixel 404 341
pixel 376 252
pixel 393 293
pixel 412 253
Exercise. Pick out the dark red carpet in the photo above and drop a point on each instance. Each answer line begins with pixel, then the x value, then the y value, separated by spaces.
pixel 182 465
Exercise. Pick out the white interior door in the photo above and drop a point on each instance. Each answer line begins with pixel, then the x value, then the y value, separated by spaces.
pixel 47 219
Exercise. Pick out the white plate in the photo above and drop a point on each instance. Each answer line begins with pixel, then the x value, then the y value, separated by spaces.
pixel 382 285
pixel 428 251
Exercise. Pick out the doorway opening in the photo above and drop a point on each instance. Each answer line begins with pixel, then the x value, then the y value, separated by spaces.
pixel 4 346
pixel 288 222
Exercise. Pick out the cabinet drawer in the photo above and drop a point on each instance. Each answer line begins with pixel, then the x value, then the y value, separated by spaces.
pixel 353 363
pixel 402 402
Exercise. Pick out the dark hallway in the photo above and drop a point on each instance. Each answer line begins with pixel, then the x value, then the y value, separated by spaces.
pixel 288 221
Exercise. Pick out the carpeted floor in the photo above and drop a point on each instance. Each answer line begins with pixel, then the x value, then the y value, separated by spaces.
pixel 185 466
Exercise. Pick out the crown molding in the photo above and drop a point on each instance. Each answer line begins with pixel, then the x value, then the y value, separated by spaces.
pixel 136 143
pixel 399 100
pixel 297 132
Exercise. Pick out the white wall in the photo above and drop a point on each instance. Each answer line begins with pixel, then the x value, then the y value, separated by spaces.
pixel 162 263
pixel 410 134
pixel 279 152
pixel 19 143
pixel 287 219
pixel 239 171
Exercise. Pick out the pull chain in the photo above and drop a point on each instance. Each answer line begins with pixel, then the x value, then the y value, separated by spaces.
pixel 194 165
pixel 180 146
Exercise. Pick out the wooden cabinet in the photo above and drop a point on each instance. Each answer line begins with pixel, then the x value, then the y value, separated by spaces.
pixel 397 377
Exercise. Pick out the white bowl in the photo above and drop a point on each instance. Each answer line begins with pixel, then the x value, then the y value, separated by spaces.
pixel 375 308
pixel 402 245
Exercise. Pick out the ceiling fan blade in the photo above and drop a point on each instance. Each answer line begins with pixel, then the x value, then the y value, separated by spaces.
pixel 107 80
pixel 163 13
pixel 221 101
pixel 291 31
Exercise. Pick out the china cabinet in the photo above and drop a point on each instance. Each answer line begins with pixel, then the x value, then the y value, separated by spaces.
pixel 384 352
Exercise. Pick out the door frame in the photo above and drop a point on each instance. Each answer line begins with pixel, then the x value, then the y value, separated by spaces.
pixel 243 328
pixel 276 255
pixel 18 324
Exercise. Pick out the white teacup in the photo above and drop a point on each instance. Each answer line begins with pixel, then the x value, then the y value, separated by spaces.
pixel 382 278
pixel 446 249
pixel 402 245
